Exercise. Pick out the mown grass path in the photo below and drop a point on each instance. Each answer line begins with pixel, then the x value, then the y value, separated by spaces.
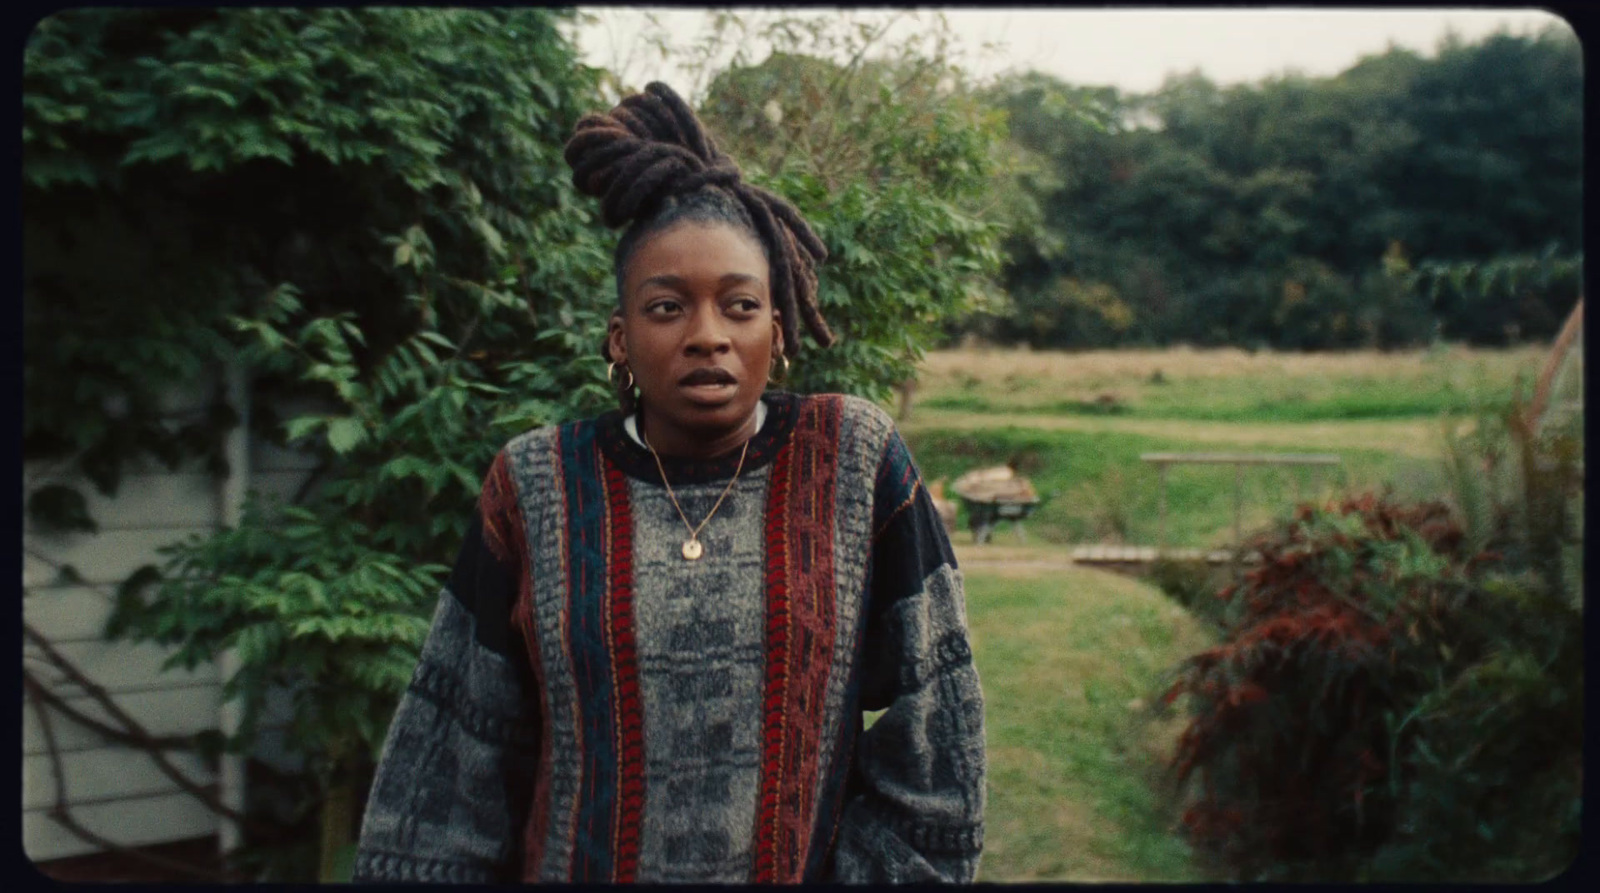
pixel 1069 657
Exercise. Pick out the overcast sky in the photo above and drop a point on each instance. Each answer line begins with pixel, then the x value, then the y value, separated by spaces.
pixel 1133 49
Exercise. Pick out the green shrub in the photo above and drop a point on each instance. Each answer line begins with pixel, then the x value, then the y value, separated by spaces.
pixel 367 211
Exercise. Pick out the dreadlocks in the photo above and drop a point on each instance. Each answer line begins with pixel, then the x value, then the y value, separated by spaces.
pixel 650 161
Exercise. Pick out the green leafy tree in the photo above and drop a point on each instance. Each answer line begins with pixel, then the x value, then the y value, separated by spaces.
pixel 1061 138
pixel 888 154
pixel 368 208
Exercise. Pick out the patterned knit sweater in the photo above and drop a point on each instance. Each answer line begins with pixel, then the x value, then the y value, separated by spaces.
pixel 590 706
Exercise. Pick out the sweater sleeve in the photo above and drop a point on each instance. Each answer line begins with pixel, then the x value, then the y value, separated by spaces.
pixel 454 781
pixel 915 813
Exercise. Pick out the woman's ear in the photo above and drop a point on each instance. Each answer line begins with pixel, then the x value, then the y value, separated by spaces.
pixel 617 345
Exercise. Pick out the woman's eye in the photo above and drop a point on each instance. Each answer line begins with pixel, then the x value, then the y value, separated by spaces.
pixel 746 305
pixel 662 308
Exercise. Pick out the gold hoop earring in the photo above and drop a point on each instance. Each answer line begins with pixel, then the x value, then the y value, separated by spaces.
pixel 611 376
pixel 782 376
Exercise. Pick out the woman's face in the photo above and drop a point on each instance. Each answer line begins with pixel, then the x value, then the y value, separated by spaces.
pixel 697 328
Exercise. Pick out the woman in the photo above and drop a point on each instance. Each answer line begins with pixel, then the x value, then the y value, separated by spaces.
pixel 653 656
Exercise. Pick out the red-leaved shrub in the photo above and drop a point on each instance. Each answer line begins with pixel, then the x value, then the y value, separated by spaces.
pixel 1289 739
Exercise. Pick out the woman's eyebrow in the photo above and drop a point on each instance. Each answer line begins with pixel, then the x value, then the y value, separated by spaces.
pixel 678 283
pixel 664 279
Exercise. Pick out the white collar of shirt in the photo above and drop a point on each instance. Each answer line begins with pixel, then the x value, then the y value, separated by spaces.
pixel 631 423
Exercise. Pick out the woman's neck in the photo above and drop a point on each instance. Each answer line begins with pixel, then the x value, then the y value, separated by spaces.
pixel 683 444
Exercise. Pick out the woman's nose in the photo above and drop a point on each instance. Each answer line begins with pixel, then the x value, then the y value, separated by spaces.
pixel 707 333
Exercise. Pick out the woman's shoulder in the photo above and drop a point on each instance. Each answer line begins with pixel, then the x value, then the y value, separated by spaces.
pixel 851 407
pixel 543 437
pixel 864 426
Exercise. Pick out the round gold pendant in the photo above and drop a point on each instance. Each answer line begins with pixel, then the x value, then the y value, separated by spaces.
pixel 691 549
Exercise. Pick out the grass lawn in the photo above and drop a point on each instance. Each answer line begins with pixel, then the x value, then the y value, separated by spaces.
pixel 1069 658
pixel 1076 424
pixel 1095 489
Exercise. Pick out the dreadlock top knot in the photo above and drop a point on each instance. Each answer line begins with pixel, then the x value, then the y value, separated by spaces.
pixel 646 149
pixel 723 175
pixel 651 148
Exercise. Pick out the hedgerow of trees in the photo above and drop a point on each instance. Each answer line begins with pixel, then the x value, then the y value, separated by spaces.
pixel 1404 200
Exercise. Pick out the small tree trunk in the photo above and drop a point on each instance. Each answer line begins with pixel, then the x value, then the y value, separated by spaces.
pixel 337 817
pixel 908 390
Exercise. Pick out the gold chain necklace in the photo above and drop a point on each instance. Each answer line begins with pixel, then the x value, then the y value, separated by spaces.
pixel 691 546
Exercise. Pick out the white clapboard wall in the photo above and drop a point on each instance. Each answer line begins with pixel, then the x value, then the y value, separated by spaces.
pixel 115 791
pixel 279 473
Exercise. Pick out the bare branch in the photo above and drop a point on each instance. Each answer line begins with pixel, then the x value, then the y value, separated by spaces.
pixel 62 816
pixel 103 698
pixel 121 736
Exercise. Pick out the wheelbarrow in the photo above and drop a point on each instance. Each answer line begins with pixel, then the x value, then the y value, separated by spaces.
pixel 992 495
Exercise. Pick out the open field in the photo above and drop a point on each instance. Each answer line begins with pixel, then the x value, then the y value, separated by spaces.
pixel 1418 438
pixel 1076 424
pixel 1069 658
pixel 1224 384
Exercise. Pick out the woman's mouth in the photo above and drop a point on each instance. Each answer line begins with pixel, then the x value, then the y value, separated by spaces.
pixel 708 385
pixel 709 393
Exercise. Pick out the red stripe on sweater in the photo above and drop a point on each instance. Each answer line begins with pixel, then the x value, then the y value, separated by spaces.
pixel 800 615
pixel 625 672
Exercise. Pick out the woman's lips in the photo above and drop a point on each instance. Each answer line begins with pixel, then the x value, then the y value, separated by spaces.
pixel 709 385
pixel 710 393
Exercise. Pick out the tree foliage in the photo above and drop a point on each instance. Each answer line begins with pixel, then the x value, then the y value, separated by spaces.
pixel 1293 212
pixel 889 155
pixel 202 158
